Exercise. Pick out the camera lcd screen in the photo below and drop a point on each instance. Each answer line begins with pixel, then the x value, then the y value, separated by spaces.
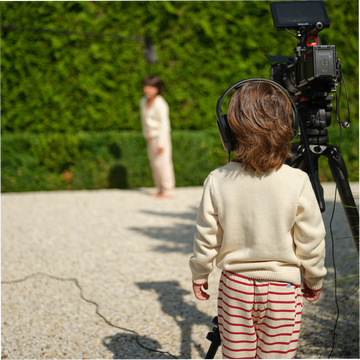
pixel 294 14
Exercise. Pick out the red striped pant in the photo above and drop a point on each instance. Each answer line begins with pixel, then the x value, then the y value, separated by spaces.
pixel 258 319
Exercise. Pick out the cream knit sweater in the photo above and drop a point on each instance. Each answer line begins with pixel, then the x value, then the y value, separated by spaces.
pixel 263 226
pixel 155 120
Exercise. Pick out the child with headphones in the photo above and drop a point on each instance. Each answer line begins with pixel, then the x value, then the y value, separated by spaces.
pixel 259 221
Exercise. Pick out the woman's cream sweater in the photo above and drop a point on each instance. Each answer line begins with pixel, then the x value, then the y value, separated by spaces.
pixel 155 120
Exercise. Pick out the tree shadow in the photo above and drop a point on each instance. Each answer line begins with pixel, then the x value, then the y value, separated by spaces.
pixel 191 215
pixel 171 297
pixel 118 173
pixel 126 346
pixel 177 238
pixel 118 177
pixel 316 336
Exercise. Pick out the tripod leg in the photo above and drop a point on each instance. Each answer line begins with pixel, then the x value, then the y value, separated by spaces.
pixel 340 176
pixel 214 337
pixel 301 160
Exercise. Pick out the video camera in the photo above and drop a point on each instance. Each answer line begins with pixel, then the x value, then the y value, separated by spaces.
pixel 314 71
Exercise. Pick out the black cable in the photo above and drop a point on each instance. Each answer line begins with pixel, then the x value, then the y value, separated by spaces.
pixel 345 125
pixel 333 258
pixel 91 302
pixel 291 33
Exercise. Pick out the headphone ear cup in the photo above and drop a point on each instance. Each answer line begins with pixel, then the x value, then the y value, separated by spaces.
pixel 226 135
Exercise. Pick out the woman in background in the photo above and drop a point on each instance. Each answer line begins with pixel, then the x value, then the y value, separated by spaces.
pixel 156 129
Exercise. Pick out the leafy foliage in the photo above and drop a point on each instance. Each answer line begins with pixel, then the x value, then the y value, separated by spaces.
pixel 55 82
pixel 70 102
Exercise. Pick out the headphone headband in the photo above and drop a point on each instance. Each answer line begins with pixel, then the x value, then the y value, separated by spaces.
pixel 227 138
pixel 240 83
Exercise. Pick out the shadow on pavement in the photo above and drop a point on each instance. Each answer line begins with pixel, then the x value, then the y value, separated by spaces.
pixel 178 237
pixel 171 298
pixel 125 346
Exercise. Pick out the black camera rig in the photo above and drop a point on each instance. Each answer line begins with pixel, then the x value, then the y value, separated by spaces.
pixel 311 77
pixel 314 72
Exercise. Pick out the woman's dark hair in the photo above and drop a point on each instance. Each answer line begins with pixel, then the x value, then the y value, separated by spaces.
pixel 260 116
pixel 155 81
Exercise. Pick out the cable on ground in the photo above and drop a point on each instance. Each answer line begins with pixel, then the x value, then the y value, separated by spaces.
pixel 74 280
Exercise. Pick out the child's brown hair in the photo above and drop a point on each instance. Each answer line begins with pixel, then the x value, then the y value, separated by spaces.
pixel 155 81
pixel 260 116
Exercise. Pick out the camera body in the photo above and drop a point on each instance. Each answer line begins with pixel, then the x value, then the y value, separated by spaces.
pixel 316 66
pixel 318 63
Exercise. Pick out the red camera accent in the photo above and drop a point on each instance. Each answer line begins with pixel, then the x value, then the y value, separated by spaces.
pixel 313 43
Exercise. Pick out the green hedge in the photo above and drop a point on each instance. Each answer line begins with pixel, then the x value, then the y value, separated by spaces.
pixel 55 82
pixel 34 162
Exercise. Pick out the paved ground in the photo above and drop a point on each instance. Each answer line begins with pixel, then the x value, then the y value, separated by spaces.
pixel 129 253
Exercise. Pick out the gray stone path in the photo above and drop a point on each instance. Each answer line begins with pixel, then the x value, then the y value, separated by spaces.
pixel 129 253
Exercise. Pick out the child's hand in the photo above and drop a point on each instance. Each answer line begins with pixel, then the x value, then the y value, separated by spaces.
pixel 199 293
pixel 309 294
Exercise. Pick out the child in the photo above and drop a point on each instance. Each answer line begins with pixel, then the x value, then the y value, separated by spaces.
pixel 260 219
pixel 156 129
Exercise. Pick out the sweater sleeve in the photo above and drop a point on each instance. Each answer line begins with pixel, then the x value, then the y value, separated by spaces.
pixel 164 120
pixel 208 237
pixel 309 233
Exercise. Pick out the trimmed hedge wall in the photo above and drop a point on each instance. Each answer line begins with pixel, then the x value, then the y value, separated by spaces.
pixel 34 162
pixel 53 82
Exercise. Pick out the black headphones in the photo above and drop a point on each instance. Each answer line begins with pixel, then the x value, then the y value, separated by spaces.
pixel 226 135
